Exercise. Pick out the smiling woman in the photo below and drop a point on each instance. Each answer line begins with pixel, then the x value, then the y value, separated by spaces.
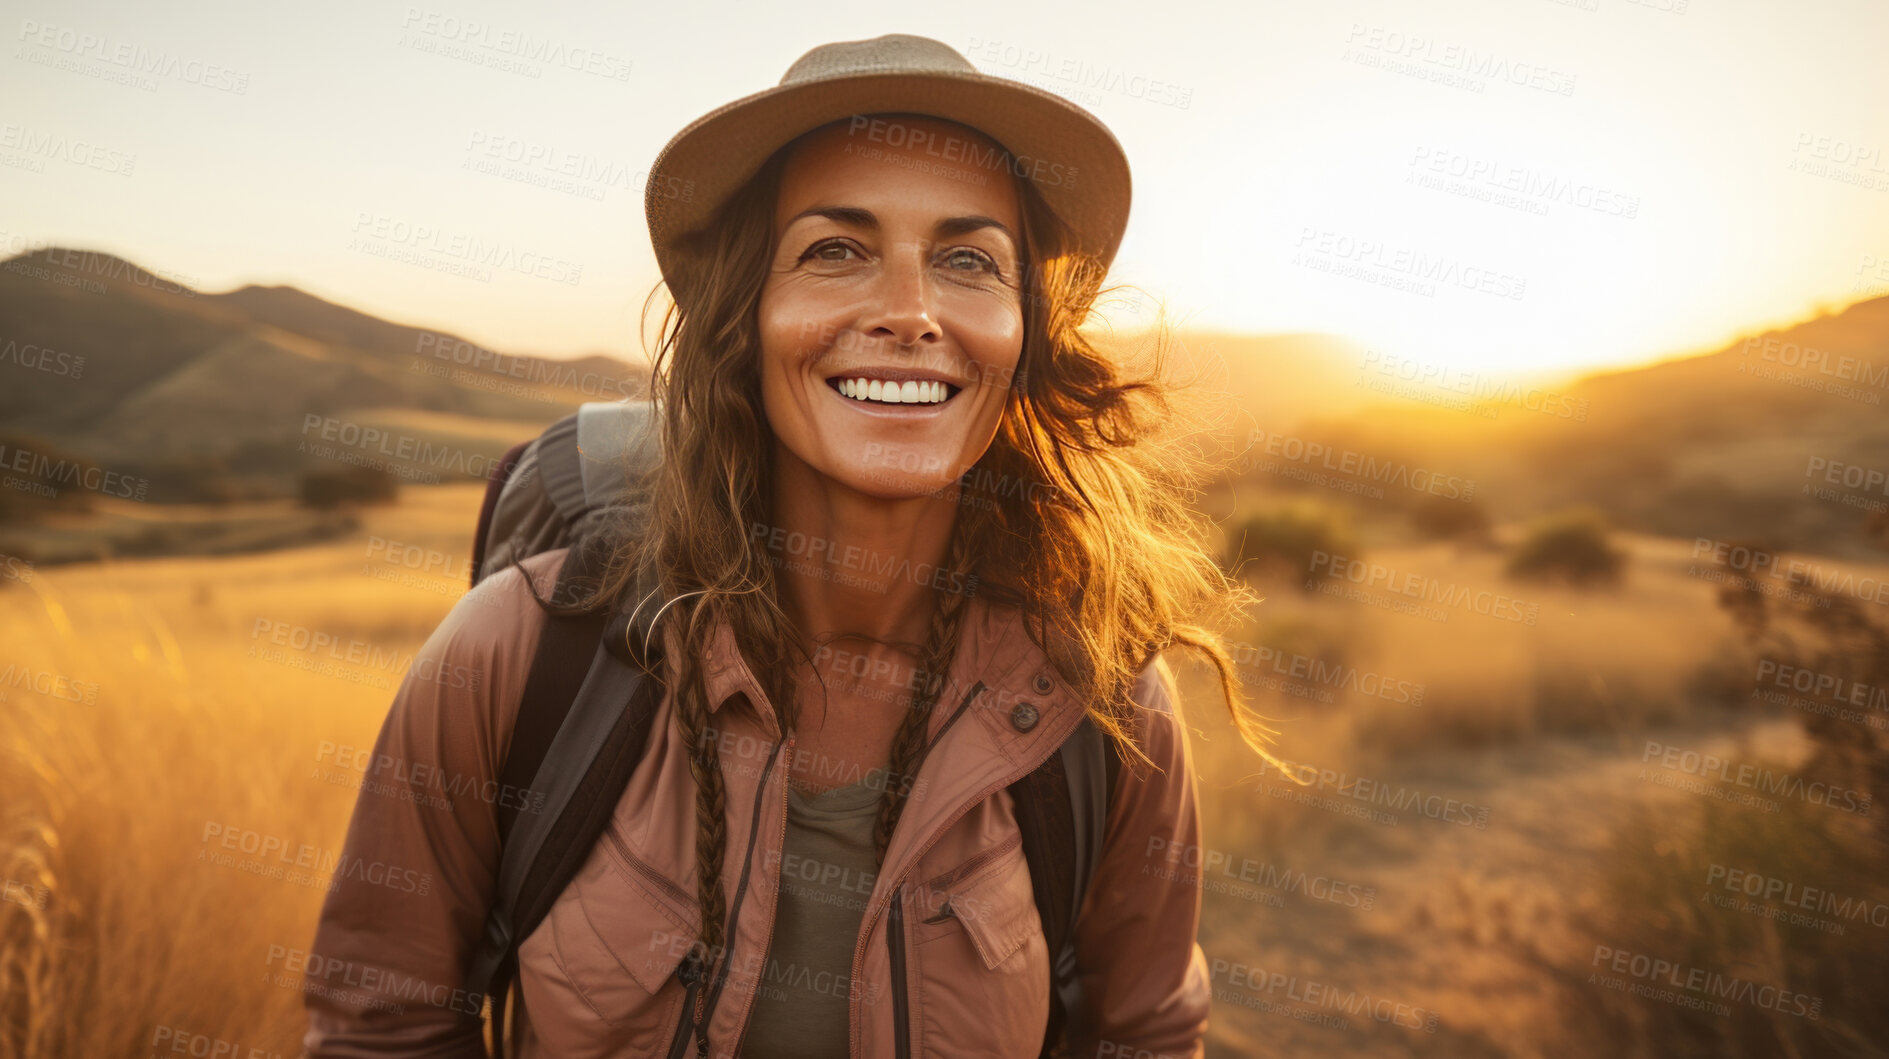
pixel 920 272
pixel 822 850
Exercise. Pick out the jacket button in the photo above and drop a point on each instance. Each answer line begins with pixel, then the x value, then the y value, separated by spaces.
pixel 1042 684
pixel 1023 717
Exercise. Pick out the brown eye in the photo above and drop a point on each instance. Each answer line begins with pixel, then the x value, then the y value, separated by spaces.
pixel 824 252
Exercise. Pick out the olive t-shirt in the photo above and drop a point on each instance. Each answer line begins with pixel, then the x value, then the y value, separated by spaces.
pixel 827 873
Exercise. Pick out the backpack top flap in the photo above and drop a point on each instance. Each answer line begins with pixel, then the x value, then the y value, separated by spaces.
pixel 569 479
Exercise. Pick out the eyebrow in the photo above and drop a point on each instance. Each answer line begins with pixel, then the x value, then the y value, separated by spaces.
pixel 864 218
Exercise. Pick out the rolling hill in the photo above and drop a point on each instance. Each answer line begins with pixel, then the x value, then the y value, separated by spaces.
pixel 1736 443
pixel 212 396
pixel 109 362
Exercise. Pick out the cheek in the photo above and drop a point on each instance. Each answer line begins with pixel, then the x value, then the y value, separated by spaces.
pixel 778 322
pixel 796 322
pixel 790 327
pixel 995 344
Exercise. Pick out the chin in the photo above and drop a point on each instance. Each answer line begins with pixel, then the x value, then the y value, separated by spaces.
pixel 881 474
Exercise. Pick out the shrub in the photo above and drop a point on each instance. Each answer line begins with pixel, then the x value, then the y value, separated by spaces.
pixel 1280 544
pixel 1569 547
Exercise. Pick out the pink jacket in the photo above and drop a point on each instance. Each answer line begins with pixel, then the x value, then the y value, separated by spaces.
pixel 383 976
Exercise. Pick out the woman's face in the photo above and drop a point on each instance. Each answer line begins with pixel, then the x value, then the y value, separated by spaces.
pixel 891 320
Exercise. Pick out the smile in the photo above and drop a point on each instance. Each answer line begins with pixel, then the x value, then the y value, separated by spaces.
pixel 890 391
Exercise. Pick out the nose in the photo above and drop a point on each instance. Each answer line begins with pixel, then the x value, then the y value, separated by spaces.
pixel 901 309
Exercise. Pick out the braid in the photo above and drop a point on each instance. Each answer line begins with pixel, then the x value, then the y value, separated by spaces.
pixel 711 828
pixel 908 746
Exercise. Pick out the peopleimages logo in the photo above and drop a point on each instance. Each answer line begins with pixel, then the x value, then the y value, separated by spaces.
pixel 1704 984
pixel 1393 796
pixel 512 43
pixel 45 476
pixel 956 149
pixel 132 60
pixel 1424 51
pixel 38 358
pixel 1347 571
pixel 1205 862
pixel 1298 667
pixel 1358 465
pixel 404 447
pixel 1810 898
pixel 1756 777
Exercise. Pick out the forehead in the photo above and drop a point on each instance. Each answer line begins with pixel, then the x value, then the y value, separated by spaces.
pixel 891 165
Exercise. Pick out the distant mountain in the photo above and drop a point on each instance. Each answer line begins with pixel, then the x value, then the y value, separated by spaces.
pixel 144 375
pixel 1734 443
pixel 210 395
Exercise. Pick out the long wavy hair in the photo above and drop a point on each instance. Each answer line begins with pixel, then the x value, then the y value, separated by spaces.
pixel 1092 532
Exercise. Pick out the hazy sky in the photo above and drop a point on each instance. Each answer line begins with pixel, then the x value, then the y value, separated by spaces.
pixel 1507 185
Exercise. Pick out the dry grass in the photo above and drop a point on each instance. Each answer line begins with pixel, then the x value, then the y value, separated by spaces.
pixel 103 806
pixel 1545 724
pixel 1553 661
pixel 1834 964
pixel 118 930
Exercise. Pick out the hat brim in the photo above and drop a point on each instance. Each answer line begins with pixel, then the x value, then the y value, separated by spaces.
pixel 1067 153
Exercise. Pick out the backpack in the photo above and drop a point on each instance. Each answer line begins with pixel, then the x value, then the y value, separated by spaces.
pixel 592 693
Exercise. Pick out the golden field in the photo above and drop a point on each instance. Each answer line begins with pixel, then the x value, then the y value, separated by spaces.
pixel 1438 889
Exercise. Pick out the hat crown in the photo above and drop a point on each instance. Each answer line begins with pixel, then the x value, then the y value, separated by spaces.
pixel 892 53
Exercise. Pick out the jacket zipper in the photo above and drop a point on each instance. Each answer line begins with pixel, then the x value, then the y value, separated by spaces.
pixel 636 864
pixel 691 974
pixel 767 948
pixel 895 940
pixel 859 951
pixel 969 868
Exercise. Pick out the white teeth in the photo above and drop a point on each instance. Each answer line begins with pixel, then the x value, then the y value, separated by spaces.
pixel 911 391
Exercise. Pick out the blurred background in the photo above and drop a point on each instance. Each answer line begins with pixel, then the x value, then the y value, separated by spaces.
pixel 1548 341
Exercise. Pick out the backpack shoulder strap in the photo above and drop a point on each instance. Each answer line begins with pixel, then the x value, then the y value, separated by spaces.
pixel 583 726
pixel 557 673
pixel 1062 812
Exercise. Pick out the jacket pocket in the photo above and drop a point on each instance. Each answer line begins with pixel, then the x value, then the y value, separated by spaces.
pixel 980 963
pixel 603 963
pixel 993 908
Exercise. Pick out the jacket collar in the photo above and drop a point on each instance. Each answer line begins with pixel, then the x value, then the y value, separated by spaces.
pixel 1004 710
pixel 1021 690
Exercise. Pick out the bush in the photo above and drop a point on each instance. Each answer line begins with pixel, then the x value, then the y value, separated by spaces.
pixel 323 489
pixel 1280 544
pixel 1569 547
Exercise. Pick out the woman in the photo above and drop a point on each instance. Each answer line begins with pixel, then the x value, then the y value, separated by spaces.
pixel 913 529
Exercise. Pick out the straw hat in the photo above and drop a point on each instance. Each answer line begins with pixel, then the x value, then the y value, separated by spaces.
pixel 1071 157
